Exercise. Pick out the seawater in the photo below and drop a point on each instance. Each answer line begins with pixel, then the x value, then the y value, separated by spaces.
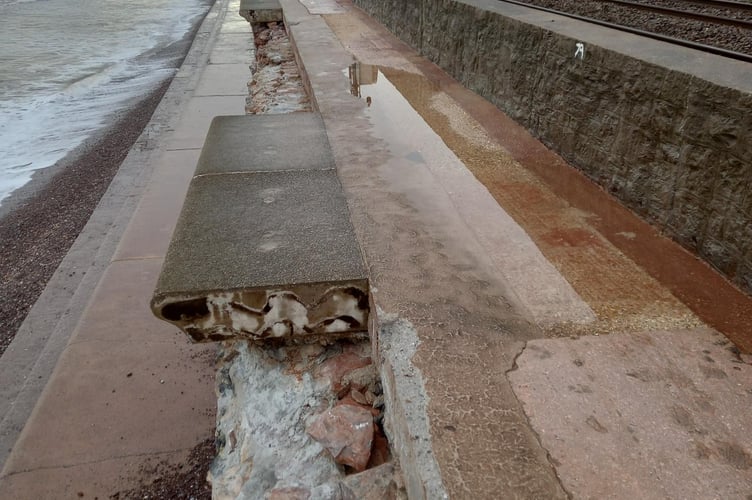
pixel 67 66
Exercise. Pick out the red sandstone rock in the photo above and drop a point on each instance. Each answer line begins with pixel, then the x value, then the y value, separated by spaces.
pixel 337 367
pixel 347 432
pixel 359 397
pixel 362 379
pixel 347 400
pixel 370 397
pixel 374 484
pixel 379 450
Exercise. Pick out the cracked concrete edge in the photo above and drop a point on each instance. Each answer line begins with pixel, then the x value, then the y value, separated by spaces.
pixel 290 21
pixel 406 422
pixel 29 361
pixel 549 458
pixel 394 344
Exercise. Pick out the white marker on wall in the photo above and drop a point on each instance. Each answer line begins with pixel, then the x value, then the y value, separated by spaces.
pixel 580 50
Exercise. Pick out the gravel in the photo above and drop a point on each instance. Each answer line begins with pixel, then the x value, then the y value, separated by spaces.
pixel 37 232
pixel 723 36
pixel 183 481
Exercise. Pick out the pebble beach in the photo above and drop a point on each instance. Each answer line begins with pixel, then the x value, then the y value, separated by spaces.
pixel 40 220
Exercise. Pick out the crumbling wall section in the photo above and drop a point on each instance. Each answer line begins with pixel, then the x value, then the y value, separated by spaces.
pixel 673 147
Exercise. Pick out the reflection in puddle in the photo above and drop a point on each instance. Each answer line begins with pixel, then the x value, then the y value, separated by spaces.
pixel 362 74
pixel 419 119
pixel 394 120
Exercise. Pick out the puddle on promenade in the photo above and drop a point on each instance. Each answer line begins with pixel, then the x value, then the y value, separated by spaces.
pixel 632 278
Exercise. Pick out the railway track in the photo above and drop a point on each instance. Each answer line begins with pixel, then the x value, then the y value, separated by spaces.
pixel 722 27
pixel 693 14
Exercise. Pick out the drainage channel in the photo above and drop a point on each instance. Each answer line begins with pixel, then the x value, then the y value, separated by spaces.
pixel 276 86
pixel 297 422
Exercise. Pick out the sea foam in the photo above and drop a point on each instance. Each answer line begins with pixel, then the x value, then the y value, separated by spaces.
pixel 70 65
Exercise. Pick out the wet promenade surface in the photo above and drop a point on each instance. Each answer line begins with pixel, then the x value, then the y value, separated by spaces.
pixel 563 344
pixel 538 340
pixel 630 275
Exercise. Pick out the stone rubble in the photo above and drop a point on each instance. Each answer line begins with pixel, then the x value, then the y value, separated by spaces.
pixel 347 432
pixel 288 428
pixel 276 86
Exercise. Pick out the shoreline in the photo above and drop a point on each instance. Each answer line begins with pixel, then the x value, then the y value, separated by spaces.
pixel 40 221
pixel 142 126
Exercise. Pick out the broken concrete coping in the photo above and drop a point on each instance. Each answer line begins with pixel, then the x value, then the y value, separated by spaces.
pixel 264 248
pixel 261 11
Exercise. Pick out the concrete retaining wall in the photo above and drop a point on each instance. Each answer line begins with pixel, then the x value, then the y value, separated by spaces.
pixel 665 129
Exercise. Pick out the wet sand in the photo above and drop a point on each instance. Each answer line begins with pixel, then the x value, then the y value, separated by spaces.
pixel 40 222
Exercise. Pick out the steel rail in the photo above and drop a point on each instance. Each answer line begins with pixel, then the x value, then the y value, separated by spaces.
pixel 741 23
pixel 728 4
pixel 739 56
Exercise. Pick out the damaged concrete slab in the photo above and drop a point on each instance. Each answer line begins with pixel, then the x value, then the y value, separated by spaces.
pixel 264 249
pixel 261 11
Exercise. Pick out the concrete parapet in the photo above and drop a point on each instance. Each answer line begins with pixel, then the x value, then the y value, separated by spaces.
pixel 264 248
pixel 232 145
pixel 261 11
pixel 661 127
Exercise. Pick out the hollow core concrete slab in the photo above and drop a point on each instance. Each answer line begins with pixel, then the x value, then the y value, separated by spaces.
pixel 265 254
pixel 299 234
pixel 263 143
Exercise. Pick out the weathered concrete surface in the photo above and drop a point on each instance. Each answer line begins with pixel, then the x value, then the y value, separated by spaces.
pixel 632 277
pixel 196 117
pixel 460 431
pixel 224 79
pixel 467 438
pixel 231 48
pixel 663 128
pixel 275 258
pixel 252 143
pixel 645 415
pixel 125 386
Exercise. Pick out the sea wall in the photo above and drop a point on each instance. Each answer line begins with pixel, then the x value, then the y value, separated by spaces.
pixel 665 129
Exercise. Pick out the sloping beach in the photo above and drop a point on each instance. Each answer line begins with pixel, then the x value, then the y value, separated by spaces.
pixel 40 221
pixel 128 149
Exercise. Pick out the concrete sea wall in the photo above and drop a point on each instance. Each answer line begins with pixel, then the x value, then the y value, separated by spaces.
pixel 665 129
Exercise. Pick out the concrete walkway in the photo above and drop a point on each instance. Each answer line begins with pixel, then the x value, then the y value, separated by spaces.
pixel 489 397
pixel 466 298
